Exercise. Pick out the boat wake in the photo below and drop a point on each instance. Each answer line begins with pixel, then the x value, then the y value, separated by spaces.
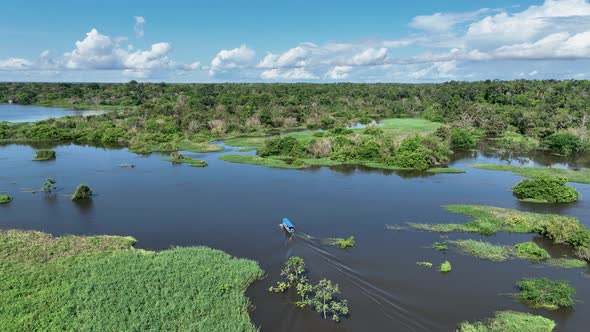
pixel 388 303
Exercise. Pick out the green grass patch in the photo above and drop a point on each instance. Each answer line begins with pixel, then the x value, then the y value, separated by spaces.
pixel 546 293
pixel 202 147
pixel 395 227
pixel 4 199
pixel 567 263
pixel 425 264
pixel 32 246
pixel 440 246
pixel 530 251
pixel 42 155
pixel 489 220
pixel 342 243
pixel 500 253
pixel 510 321
pixel 267 162
pixel 445 170
pixel 102 284
pixel 250 143
pixel 408 126
pixel 484 250
pixel 580 176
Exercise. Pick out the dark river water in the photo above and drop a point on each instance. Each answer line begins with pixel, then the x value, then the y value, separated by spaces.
pixel 237 208
pixel 27 113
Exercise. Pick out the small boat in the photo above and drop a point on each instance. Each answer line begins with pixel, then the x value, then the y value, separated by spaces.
pixel 288 226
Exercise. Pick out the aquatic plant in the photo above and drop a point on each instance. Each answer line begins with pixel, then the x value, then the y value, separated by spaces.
pixel 48 185
pixel 324 300
pixel 425 264
pixel 489 220
pixel 342 243
pixel 86 272
pixel 510 321
pixel 292 272
pixel 566 263
pixel 440 246
pixel 483 250
pixel 5 199
pixel 41 155
pixel 395 227
pixel 530 251
pixel 445 267
pixel 82 192
pixel 546 293
pixel 321 296
pixel 545 188
pixel 304 289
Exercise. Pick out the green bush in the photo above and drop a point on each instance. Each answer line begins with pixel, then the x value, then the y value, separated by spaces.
pixel 82 192
pixel 5 199
pixel 564 230
pixel 414 153
pixel 44 155
pixel 545 188
pixel 282 146
pixel 343 243
pixel 373 131
pixel 445 267
pixel 545 293
pixel 463 138
pixel 530 251
pixel 563 143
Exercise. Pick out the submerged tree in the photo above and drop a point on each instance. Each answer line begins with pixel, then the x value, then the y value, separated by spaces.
pixel 304 288
pixel 49 185
pixel 292 272
pixel 325 302
pixel 82 192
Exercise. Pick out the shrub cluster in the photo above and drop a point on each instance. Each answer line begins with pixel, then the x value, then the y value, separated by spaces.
pixel 546 188
pixel 545 293
pixel 343 145
pixel 44 155
pixel 82 192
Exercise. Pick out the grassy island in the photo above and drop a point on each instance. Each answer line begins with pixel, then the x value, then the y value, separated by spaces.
pixel 545 293
pixel 178 158
pixel 102 283
pixel 510 321
pixel 544 188
pixel 42 155
pixel 4 199
pixel 490 220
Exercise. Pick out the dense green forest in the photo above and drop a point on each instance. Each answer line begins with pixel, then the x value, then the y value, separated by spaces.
pixel 522 115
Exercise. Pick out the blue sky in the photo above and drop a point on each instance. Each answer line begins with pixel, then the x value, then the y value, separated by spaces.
pixel 312 41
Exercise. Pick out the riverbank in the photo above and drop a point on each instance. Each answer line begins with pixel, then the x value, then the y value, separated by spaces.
pixel 90 282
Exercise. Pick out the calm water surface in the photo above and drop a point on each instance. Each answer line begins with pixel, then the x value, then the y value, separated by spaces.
pixel 237 208
pixel 27 113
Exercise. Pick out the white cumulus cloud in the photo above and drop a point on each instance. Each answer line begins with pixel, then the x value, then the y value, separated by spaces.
pixel 231 59
pixel 139 23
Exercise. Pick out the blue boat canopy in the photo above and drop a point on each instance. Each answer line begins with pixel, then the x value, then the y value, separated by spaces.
pixel 289 227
